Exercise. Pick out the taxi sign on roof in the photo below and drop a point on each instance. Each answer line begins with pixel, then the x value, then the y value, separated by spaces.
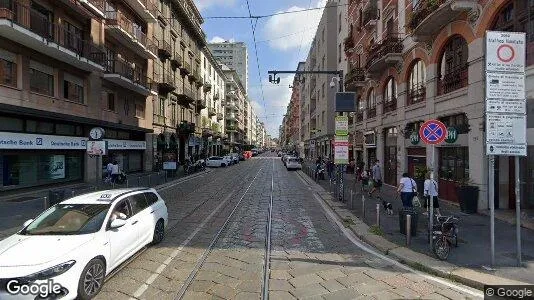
pixel 105 197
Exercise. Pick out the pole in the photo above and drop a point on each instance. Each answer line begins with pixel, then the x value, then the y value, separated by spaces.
pixel 518 211
pixel 378 215
pixel 431 200
pixel 492 206
pixel 363 206
pixel 351 200
pixel 408 230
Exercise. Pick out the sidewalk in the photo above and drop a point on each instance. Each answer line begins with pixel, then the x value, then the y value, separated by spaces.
pixel 20 205
pixel 473 251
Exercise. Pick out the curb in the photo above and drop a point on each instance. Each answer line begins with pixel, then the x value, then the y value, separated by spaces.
pixel 406 256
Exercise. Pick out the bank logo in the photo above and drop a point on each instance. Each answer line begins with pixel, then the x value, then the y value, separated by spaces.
pixel 83 143
pixel 39 141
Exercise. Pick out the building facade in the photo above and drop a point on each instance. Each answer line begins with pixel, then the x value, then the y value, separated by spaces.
pixel 234 111
pixel 235 56
pixel 406 68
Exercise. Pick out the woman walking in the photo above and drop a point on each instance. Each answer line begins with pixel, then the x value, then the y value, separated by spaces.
pixel 431 190
pixel 407 190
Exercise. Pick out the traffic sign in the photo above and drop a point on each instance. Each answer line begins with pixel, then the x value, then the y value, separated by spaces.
pixel 341 150
pixel 505 51
pixel 342 125
pixel 433 132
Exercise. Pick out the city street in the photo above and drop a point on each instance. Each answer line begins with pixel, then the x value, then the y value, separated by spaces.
pixel 216 240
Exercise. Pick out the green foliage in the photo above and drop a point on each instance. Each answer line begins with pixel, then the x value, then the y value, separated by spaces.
pixel 420 172
pixel 376 230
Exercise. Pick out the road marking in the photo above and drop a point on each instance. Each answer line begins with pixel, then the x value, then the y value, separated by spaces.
pixel 352 237
pixel 164 265
pixel 180 182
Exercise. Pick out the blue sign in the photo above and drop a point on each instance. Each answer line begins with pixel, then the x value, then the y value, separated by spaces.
pixel 433 132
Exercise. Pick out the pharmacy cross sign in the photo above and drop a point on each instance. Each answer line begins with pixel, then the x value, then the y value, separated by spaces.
pixel 433 132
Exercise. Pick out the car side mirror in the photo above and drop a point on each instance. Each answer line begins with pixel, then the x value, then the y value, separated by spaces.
pixel 27 223
pixel 117 223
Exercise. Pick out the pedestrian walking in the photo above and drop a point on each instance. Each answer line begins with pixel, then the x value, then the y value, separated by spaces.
pixel 431 190
pixel 376 176
pixel 109 169
pixel 115 171
pixel 330 168
pixel 407 190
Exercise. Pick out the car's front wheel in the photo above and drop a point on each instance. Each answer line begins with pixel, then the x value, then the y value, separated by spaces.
pixel 159 232
pixel 223 165
pixel 92 279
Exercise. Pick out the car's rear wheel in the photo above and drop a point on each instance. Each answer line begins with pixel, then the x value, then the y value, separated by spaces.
pixel 159 232
pixel 92 279
pixel 223 165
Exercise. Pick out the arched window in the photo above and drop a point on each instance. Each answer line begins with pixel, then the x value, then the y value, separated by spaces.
pixel 453 66
pixel 416 83
pixel 371 104
pixel 390 95
pixel 515 17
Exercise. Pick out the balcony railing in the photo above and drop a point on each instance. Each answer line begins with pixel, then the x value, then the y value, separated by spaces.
pixel 176 60
pixel 116 18
pixel 201 103
pixel 370 15
pixel 416 94
pixel 390 105
pixel 348 43
pixel 126 69
pixel 207 87
pixel 151 6
pixel 166 82
pixel 392 44
pixel 35 22
pixel 453 80
pixel 158 119
pixel 165 49
pixel 220 116
pixel 355 77
pixel 371 112
pixel 185 69
pixel 99 4
pixel 358 117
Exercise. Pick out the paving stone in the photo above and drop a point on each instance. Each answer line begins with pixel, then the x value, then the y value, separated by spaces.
pixel 281 295
pixel 192 295
pixel 253 286
pixel 309 291
pixel 354 279
pixel 397 281
pixel 305 280
pixel 451 294
pixel 406 292
pixel 109 295
pixel 333 285
pixel 223 291
pixel 435 296
pixel 201 285
pixel 331 274
pixel 347 294
pixel 423 288
pixel 247 296
pixel 279 285
pixel 369 288
pixel 280 274
pixel 385 295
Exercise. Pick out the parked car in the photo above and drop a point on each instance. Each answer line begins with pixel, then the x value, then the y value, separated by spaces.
pixel 293 163
pixel 84 237
pixel 235 157
pixel 216 161
pixel 242 156
pixel 286 158
pixel 229 160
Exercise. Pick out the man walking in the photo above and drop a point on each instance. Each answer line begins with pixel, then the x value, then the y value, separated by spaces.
pixel 115 172
pixel 377 178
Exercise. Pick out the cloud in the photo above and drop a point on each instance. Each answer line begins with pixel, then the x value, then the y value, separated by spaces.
pixel 277 97
pixel 204 4
pixel 291 31
pixel 218 39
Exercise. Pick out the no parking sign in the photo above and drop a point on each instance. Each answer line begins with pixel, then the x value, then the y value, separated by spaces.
pixel 433 132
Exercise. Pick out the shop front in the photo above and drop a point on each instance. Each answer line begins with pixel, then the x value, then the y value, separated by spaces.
pixel 127 153
pixel 370 149
pixel 390 156
pixel 28 160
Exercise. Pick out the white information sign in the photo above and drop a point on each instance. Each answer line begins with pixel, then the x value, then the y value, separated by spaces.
pixel 126 145
pixel 505 52
pixel 10 140
pixel 341 150
pixel 506 134
pixel 342 125
pixel 97 148
pixel 505 86
pixel 169 165
pixel 506 106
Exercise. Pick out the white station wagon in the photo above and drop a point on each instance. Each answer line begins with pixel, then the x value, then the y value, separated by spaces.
pixel 76 243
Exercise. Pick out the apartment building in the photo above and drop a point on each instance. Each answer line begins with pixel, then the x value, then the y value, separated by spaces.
pixel 234 115
pixel 253 127
pixel 318 98
pixel 68 67
pixel 294 111
pixel 260 133
pixel 406 68
pixel 235 56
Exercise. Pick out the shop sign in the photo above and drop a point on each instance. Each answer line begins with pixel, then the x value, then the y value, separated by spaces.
pixel 126 145
pixel 414 138
pixel 10 140
pixel 97 148
pixel 452 135
pixel 342 125
pixel 169 165
pixel 57 167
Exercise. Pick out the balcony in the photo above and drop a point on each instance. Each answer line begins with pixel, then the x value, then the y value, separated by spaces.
pixel 370 17
pixel 185 69
pixel 96 6
pixel 127 75
pixel 207 88
pixel 355 79
pixel 348 43
pixel 371 112
pixel 453 80
pixel 186 128
pixel 429 17
pixel 130 35
pixel 194 76
pixel 26 26
pixel 146 9
pixel 207 132
pixel 185 97
pixel 231 117
pixel 358 117
pixel 211 112
pixel 201 104
pixel 384 54
pixel 390 105
pixel 231 128
pixel 416 94
pixel 158 120
pixel 167 83
pixel 164 50
pixel 220 117
pixel 176 60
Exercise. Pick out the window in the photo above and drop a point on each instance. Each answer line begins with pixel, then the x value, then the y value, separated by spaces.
pixel 8 68
pixel 41 79
pixel 454 163
pixel 122 208
pixel 452 74
pixel 111 101
pixel 322 90
pixel 73 91
pixel 138 203
pixel 151 198
pixel 371 104
pixel 39 127
pixel 11 124
pixel 339 53
pixel 161 110
pixel 459 122
pixel 416 83
pixel 65 129
pixel 339 29
pixel 73 37
pixel 390 91
pixel 139 110
pixel 173 113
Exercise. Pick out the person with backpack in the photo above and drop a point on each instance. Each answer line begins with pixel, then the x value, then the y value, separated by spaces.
pixel 431 190
pixel 407 190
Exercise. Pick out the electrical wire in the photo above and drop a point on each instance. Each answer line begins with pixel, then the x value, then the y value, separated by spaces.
pixel 256 54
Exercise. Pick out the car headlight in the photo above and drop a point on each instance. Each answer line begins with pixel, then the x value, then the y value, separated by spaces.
pixel 50 272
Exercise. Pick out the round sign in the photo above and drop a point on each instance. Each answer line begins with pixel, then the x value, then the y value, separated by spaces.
pixel 452 135
pixel 433 132
pixel 414 138
pixel 505 53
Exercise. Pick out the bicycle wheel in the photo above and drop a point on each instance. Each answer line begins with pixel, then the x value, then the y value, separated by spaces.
pixel 442 248
pixel 454 235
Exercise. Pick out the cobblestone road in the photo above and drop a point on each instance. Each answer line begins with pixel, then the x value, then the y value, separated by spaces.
pixel 311 257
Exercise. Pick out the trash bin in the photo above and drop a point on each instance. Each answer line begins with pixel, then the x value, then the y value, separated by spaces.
pixel 56 196
pixel 402 220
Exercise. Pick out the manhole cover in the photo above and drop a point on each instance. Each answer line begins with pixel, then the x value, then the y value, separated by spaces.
pixel 22 199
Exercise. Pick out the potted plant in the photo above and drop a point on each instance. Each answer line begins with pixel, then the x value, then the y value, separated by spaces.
pixel 419 177
pixel 467 194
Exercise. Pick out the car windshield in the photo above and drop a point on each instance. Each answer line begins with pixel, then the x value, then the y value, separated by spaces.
pixel 69 219
pixel 294 160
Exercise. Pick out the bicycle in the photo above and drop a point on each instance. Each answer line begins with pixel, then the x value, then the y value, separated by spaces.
pixel 444 234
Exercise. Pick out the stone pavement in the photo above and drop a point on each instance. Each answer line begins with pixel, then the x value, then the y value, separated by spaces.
pixel 474 244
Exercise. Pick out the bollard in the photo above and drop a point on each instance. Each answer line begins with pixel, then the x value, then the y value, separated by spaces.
pixel 165 176
pixel 113 185
pixel 408 229
pixel 127 183
pixel 72 192
pixel 351 199
pixel 363 207
pixel 46 204
pixel 138 181
pixel 378 215
pixel 149 179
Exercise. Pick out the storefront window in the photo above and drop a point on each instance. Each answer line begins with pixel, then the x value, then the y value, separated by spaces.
pixel 458 121
pixel 11 124
pixel 39 127
pixel 454 164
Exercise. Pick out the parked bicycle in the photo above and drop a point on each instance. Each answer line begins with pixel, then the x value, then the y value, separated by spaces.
pixel 444 234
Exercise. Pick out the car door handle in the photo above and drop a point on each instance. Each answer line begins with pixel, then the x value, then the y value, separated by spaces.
pixel 152 211
pixel 134 222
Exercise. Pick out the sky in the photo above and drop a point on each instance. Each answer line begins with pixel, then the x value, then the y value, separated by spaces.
pixel 282 41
